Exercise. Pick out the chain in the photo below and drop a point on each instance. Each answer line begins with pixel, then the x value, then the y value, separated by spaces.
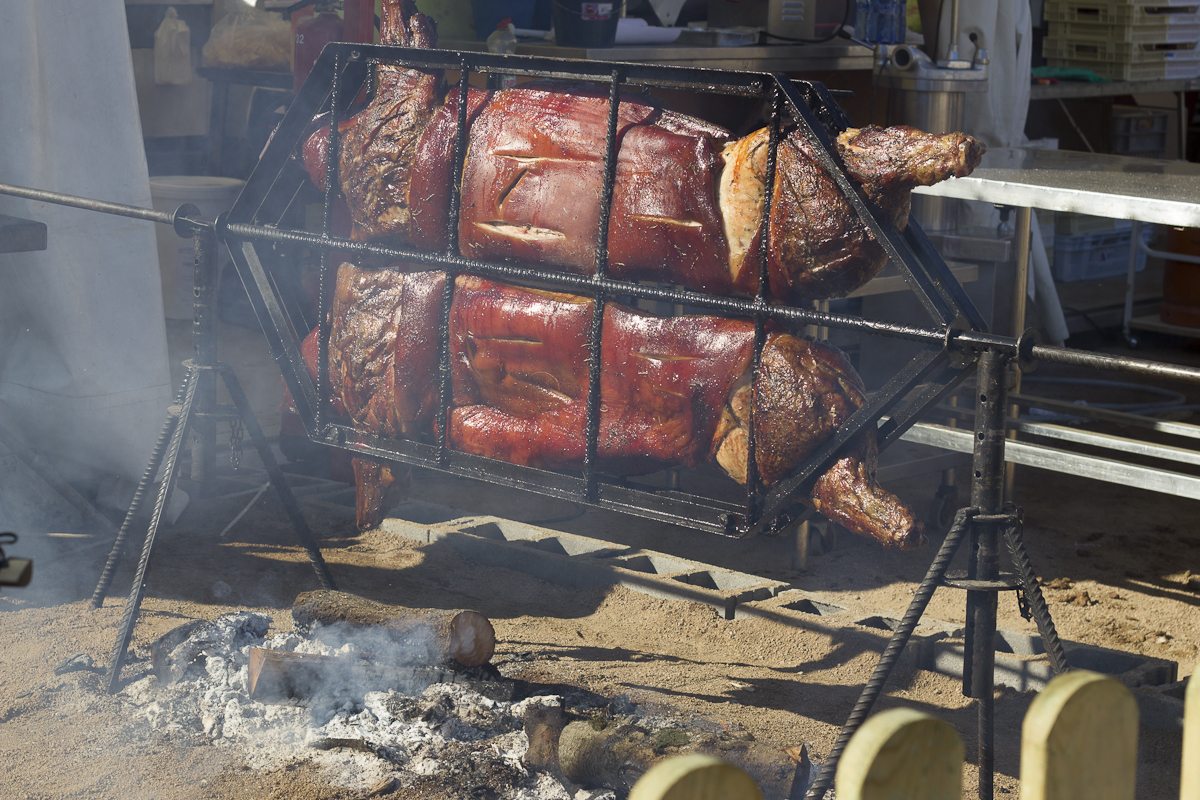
pixel 235 443
pixel 1023 606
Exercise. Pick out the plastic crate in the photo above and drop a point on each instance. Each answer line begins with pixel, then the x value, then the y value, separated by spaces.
pixel 1074 224
pixel 1139 131
pixel 1166 70
pixel 1091 256
pixel 1123 12
pixel 1185 31
pixel 1121 52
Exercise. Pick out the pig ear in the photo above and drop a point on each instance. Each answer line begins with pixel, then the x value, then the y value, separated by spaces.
pixel 401 24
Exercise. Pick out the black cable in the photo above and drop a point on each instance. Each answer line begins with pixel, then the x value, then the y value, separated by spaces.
pixel 838 31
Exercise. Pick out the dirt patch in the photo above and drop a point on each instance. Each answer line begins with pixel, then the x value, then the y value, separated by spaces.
pixel 1115 564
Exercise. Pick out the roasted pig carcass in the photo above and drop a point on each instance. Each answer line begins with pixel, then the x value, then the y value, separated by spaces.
pixel 688 196
pixel 674 391
pixel 687 206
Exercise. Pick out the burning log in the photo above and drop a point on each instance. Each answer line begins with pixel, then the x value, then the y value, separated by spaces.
pixel 427 635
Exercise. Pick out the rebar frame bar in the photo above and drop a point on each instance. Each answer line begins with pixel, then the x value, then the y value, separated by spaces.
pixel 806 108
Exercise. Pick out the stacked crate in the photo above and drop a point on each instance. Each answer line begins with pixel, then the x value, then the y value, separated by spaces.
pixel 1125 39
pixel 1089 248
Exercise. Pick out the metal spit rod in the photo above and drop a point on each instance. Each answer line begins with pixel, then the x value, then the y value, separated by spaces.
pixel 964 341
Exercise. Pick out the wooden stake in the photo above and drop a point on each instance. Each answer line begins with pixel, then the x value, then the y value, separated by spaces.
pixel 1079 740
pixel 695 777
pixel 1189 783
pixel 902 754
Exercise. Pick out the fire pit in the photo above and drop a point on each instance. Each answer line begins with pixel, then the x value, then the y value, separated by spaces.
pixel 371 711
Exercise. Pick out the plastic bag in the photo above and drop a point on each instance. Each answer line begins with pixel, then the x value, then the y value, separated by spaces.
pixel 173 51
pixel 250 39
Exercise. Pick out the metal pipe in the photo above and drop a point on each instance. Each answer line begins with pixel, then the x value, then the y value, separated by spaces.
pixel 102 206
pixel 1081 465
pixel 204 339
pixel 1023 241
pixel 970 340
pixel 1135 238
pixel 987 495
pixel 1101 361
pixel 1185 429
pixel 137 591
pixel 952 42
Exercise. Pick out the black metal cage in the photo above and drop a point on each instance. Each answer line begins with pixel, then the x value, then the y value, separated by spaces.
pixel 801 106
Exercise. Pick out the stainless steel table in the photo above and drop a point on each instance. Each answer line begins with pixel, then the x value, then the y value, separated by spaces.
pixel 1140 189
pixel 1119 187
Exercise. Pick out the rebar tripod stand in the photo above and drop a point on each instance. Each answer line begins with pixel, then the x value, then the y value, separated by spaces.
pixel 195 408
pixel 983 523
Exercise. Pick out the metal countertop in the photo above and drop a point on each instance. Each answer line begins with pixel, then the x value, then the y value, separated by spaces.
pixel 1140 189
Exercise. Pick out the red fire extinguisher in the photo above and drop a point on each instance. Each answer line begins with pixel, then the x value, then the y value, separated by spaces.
pixel 311 36
pixel 313 31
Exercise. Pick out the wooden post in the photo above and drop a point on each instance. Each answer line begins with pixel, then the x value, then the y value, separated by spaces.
pixel 695 777
pixel 1079 740
pixel 1189 782
pixel 902 754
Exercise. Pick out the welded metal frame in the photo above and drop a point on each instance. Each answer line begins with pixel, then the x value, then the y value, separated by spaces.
pixel 805 107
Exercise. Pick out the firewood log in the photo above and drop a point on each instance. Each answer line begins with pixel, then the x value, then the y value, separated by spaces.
pixel 431 635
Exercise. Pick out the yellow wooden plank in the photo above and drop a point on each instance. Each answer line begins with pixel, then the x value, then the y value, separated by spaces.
pixel 1079 740
pixel 1189 783
pixel 902 755
pixel 695 777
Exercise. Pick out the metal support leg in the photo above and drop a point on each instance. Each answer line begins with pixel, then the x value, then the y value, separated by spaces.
pixel 196 406
pixel 204 344
pixel 138 590
pixel 1181 108
pixel 983 520
pixel 895 645
pixel 1022 240
pixel 276 476
pixel 139 494
pixel 1135 243
pixel 987 495
pixel 1015 539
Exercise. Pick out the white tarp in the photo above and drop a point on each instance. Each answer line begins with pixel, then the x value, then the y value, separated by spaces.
pixel 83 357
pixel 998 117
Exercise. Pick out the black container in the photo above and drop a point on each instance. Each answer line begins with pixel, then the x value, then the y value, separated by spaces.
pixel 579 24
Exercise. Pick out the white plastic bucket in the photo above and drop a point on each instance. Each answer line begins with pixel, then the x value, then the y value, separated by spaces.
pixel 212 196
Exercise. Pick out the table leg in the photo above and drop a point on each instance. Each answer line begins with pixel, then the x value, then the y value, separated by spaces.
pixel 1181 100
pixel 1022 236
pixel 1135 241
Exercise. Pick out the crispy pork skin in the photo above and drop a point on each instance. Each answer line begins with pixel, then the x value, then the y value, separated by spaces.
pixel 675 391
pixel 687 197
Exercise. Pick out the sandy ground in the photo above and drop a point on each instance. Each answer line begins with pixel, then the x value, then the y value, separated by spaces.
pixel 1122 557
